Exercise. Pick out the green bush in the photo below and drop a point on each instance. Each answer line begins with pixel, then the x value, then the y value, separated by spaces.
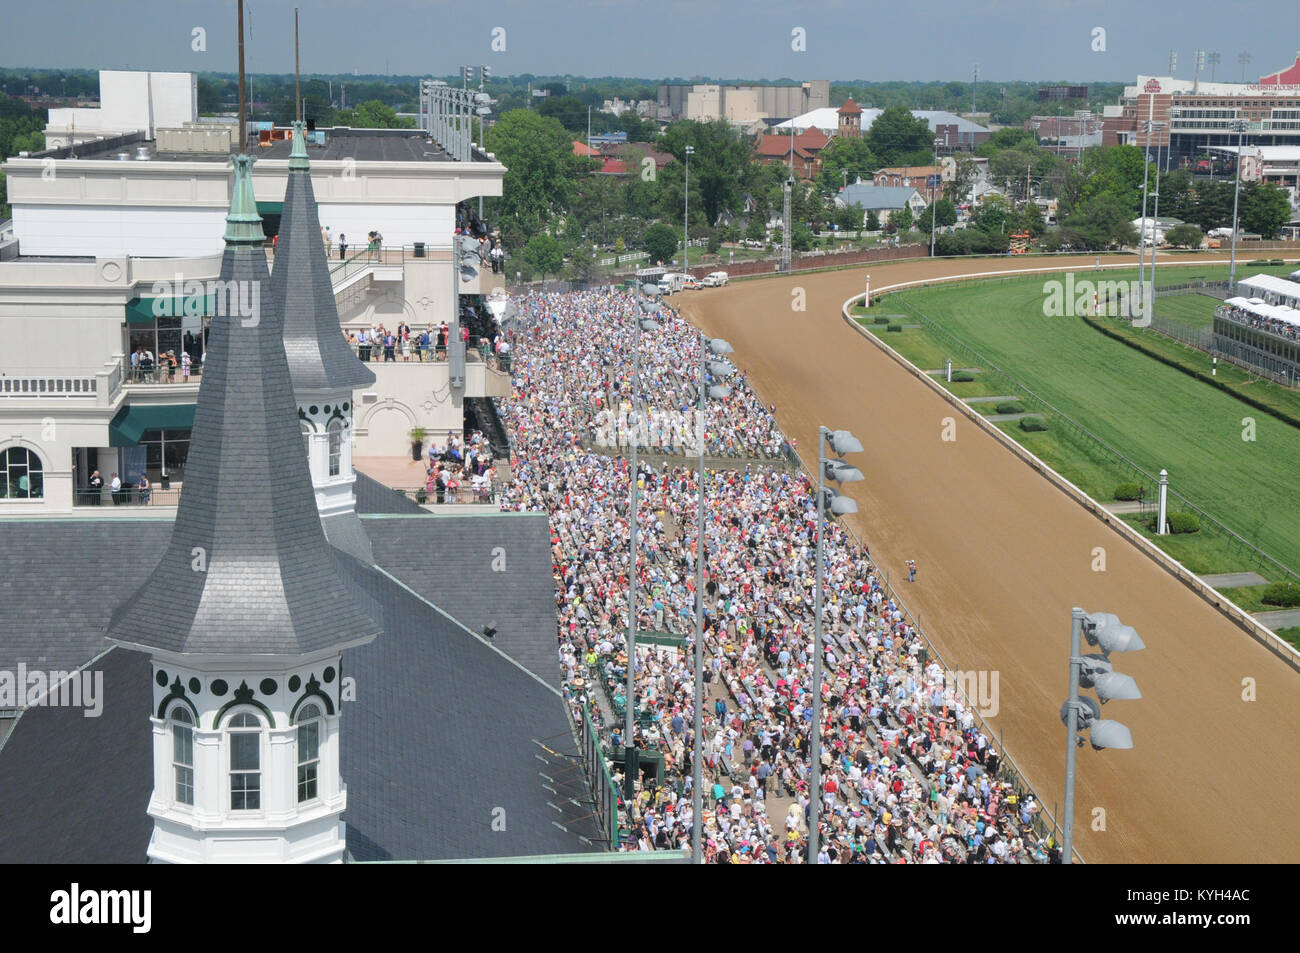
pixel 882 319
pixel 894 327
pixel 1286 594
pixel 1011 407
pixel 1183 523
pixel 1033 424
pixel 1128 491
pixel 963 377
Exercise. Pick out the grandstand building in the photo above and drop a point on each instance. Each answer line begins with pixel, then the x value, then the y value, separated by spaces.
pixel 115 243
pixel 1197 115
pixel 267 693
pixel 1260 328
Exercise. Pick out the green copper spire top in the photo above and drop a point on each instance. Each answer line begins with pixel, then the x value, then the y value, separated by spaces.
pixel 298 161
pixel 243 224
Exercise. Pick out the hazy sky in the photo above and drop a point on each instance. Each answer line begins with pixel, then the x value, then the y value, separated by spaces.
pixel 752 39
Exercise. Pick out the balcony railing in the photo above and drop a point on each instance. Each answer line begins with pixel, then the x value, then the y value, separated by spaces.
pixel 464 494
pixel 127 496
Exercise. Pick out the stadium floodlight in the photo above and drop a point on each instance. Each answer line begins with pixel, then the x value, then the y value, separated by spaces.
pixel 1081 713
pixel 842 472
pixel 719 369
pixel 1104 630
pixel 652 290
pixel 841 442
pixel 1096 671
pixel 649 324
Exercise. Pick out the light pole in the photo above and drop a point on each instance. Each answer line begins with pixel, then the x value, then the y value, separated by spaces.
pixel 630 766
pixel 1152 87
pixel 1155 229
pixel 841 442
pixel 1240 126
pixel 718 369
pixel 686 215
pixel 933 200
pixel 1079 713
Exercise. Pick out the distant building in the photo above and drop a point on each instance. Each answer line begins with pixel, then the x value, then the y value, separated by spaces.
pixel 129 101
pixel 1061 93
pixel 954 132
pixel 884 200
pixel 706 102
pixel 849 122
pixel 914 176
pixel 1192 116
pixel 806 148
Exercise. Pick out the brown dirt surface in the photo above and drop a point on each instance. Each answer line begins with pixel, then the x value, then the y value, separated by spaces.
pixel 1002 556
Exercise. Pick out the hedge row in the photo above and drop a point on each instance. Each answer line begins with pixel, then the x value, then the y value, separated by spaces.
pixel 1178 522
pixel 962 377
pixel 1128 491
pixel 1010 407
pixel 1199 375
pixel 894 327
pixel 1285 594
pixel 1033 424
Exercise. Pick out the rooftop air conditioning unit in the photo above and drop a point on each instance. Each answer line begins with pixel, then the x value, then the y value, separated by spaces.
pixel 142 153
pixel 124 157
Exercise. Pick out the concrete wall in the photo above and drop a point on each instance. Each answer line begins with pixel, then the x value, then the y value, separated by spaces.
pixel 113 230
pixel 129 100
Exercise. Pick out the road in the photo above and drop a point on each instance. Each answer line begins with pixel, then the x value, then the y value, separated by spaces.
pixel 1002 556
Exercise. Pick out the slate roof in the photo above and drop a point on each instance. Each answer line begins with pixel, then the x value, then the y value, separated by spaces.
pixel 373 497
pixel 449 561
pixel 74 789
pixel 267 580
pixel 443 731
pixel 53 606
pixel 877 197
pixel 318 353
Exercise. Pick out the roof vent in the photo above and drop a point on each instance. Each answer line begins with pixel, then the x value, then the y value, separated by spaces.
pixel 142 152
pixel 124 157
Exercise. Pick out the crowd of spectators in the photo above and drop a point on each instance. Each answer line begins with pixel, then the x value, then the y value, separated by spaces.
pixel 460 469
pixel 1281 328
pixel 582 369
pixel 908 774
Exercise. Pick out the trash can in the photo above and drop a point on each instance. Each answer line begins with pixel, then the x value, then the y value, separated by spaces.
pixel 419 249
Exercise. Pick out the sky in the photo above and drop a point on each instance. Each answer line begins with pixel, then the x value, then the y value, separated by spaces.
pixel 660 39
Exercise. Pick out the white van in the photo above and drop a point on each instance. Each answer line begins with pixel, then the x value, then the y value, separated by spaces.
pixel 671 282
pixel 716 279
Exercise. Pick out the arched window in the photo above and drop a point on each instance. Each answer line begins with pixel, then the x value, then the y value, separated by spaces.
pixel 22 475
pixel 244 731
pixel 182 727
pixel 336 445
pixel 309 731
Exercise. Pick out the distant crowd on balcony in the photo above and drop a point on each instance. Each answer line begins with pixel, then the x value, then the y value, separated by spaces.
pixel 145 368
pixel 490 250
pixel 1271 325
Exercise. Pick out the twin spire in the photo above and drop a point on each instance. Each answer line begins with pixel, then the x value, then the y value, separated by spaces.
pixel 248 570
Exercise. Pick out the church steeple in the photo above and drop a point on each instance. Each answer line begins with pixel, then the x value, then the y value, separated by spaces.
pixel 246 615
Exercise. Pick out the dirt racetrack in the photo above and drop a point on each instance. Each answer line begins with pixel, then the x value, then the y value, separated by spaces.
pixel 1002 556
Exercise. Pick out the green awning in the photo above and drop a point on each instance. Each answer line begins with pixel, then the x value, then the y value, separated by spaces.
pixel 131 422
pixel 146 310
pixel 270 208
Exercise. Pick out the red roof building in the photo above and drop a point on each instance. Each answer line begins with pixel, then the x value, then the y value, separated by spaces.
pixel 850 116
pixel 807 145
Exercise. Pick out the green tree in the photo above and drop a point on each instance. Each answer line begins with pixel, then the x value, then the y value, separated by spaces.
pixel 902 219
pixel 873 221
pixel 568 110
pixel 1264 209
pixel 1184 236
pixel 845 154
pixel 372 114
pixel 755 231
pixel 801 237
pixel 720 168
pixel 540 167
pixel 543 255
pixel 899 138
pixel 581 265
pixel 1101 222
pixel 660 241
pixel 944 213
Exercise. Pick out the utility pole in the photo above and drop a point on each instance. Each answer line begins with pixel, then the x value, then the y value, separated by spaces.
pixel 243 101
pixel 1236 192
pixel 975 81
pixel 297 80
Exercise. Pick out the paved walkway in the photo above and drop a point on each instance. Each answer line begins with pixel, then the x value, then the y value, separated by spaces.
pixel 1129 506
pixel 988 400
pixel 1003 418
pixel 1282 619
pixel 973 370
pixel 1229 580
